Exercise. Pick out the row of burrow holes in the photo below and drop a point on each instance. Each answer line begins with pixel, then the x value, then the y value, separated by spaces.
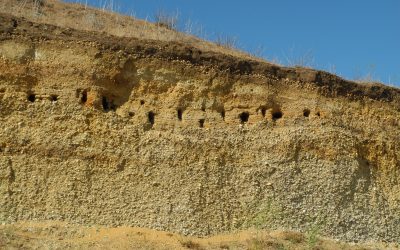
pixel 107 106
pixel 243 116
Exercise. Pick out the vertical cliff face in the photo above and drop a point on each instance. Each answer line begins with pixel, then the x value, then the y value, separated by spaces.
pixel 144 133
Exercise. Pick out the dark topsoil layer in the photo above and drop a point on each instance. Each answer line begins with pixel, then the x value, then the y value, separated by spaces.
pixel 328 84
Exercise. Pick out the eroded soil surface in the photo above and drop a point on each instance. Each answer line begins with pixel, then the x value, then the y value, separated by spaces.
pixel 57 235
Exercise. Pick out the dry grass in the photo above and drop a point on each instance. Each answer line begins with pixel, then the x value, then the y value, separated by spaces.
pixel 83 17
pixel 226 41
pixel 293 237
pixel 166 20
pixel 191 245
pixel 260 243
pixel 294 59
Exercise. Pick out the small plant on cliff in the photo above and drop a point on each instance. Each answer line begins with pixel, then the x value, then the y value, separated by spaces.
pixel 270 210
pixel 312 236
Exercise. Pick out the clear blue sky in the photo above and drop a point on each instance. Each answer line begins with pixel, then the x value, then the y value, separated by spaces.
pixel 353 37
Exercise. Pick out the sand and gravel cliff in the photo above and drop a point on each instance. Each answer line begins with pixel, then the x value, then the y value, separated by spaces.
pixel 97 129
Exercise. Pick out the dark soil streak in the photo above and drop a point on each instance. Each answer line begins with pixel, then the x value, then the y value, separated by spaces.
pixel 328 84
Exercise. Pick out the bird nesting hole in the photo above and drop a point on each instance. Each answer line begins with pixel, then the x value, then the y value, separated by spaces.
pixel 263 111
pixel 53 98
pixel 83 96
pixel 142 102
pixel 151 117
pixel 276 114
pixel 179 114
pixel 223 114
pixel 244 117
pixel 31 97
pixel 107 104
pixel 201 123
pixel 306 112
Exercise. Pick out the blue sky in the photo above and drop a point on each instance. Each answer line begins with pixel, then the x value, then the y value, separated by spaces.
pixel 354 38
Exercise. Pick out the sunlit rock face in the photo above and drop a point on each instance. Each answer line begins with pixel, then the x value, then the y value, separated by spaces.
pixel 100 130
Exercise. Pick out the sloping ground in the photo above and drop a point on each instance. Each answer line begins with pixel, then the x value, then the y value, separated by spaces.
pixel 76 16
pixel 56 235
pixel 119 131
